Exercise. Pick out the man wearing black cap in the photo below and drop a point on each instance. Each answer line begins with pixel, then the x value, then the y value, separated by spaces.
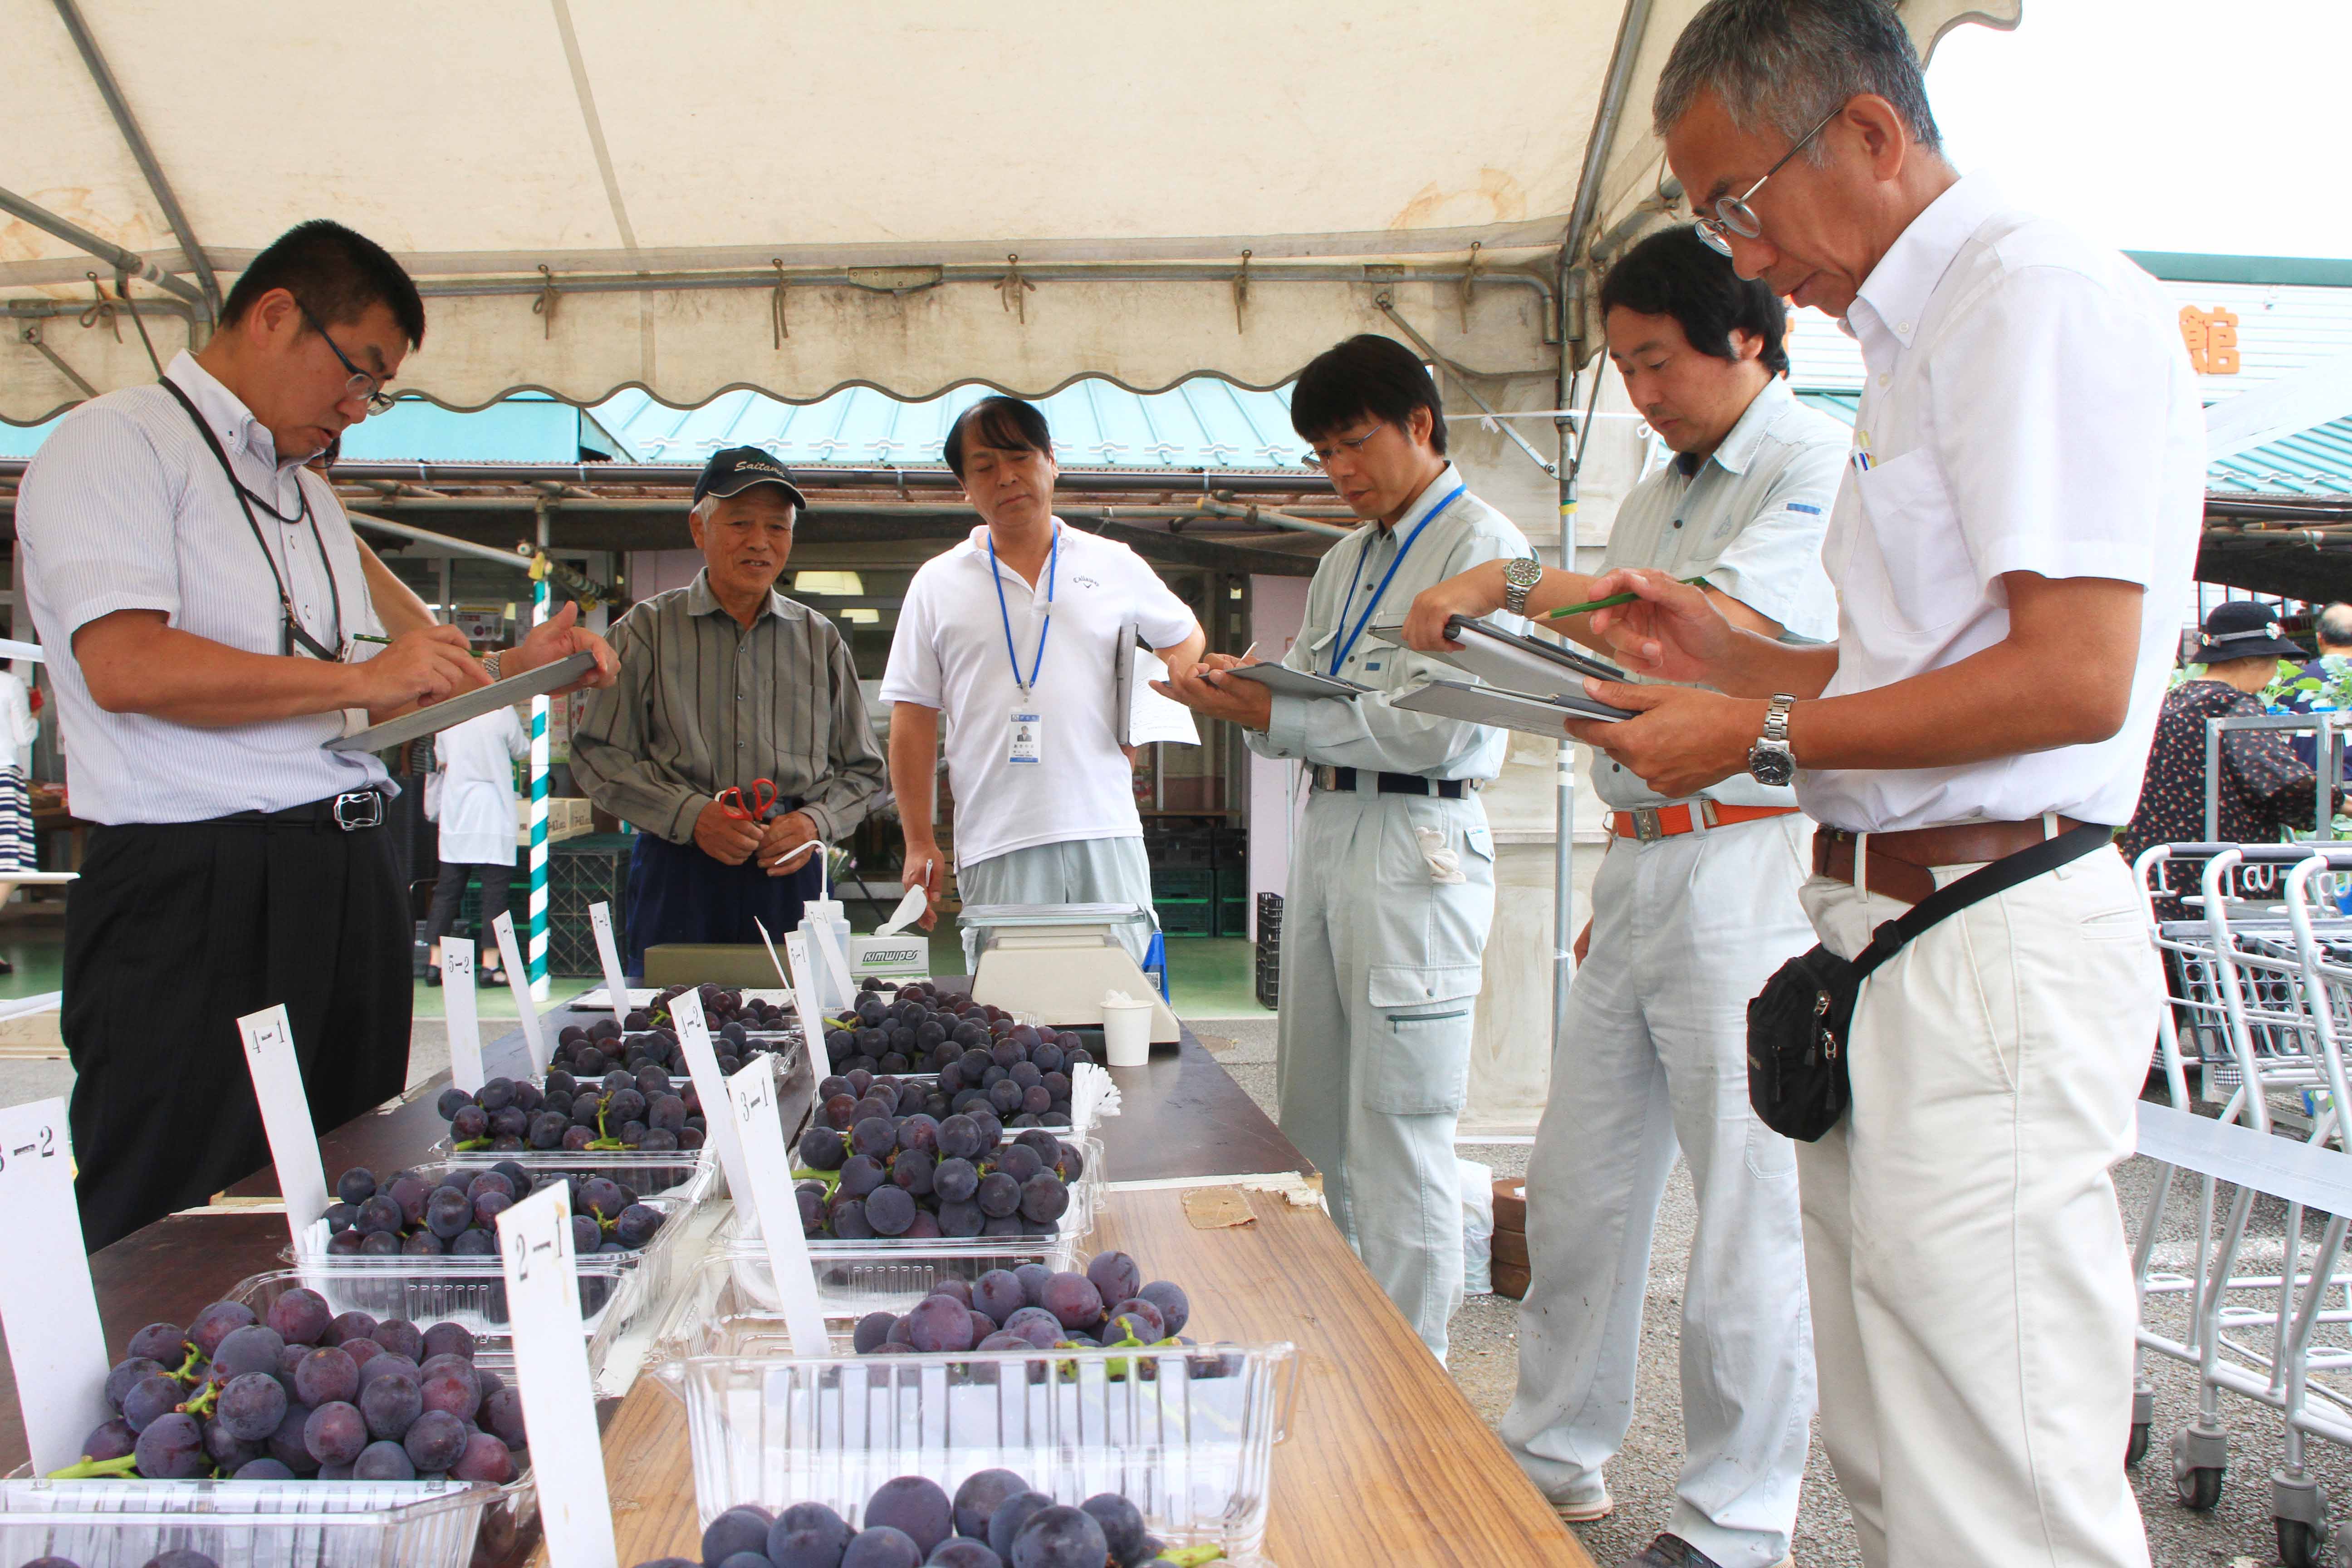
pixel 2264 786
pixel 728 685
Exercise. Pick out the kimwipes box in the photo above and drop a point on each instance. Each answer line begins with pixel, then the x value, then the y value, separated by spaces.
pixel 901 958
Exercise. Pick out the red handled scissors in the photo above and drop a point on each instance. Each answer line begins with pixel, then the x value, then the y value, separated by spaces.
pixel 762 801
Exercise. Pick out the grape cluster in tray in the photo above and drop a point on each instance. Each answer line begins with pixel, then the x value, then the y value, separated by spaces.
pixel 303 1393
pixel 982 1056
pixel 995 1521
pixel 624 1109
pixel 881 1164
pixel 1037 1308
pixel 408 1214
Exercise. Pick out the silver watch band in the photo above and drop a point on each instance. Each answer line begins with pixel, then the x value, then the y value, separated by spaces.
pixel 1776 719
pixel 1519 579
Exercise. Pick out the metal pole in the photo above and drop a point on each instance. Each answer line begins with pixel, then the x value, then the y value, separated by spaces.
pixel 1563 905
pixel 114 255
pixel 1462 380
pixel 128 123
pixel 536 960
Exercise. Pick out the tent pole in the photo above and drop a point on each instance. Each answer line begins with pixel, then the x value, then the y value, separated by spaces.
pixel 128 123
pixel 535 959
pixel 114 255
pixel 1462 380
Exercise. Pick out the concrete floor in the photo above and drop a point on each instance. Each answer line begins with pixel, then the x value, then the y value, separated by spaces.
pixel 2239 1533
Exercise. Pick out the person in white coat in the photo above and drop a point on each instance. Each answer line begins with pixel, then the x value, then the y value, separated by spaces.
pixel 474 762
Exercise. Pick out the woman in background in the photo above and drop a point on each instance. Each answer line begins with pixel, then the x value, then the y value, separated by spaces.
pixel 473 772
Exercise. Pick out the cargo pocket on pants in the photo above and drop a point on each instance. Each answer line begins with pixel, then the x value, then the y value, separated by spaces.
pixel 1419 1052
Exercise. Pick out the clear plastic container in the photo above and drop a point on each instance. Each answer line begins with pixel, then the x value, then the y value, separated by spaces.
pixel 122 1523
pixel 1187 1436
pixel 860 1277
pixel 624 1283
pixel 1093 1096
pixel 732 1287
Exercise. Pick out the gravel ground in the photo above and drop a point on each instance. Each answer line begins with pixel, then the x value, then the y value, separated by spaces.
pixel 2238 1533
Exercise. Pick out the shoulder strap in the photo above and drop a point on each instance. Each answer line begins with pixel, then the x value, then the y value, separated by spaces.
pixel 1979 885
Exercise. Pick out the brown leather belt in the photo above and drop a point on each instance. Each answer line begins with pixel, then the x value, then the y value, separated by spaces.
pixel 1900 862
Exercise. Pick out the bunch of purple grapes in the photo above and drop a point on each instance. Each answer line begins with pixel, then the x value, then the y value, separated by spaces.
pixel 884 1165
pixel 178 1557
pixel 995 1521
pixel 458 1216
pixel 625 1109
pixel 1035 1308
pixel 720 1006
pixel 301 1392
pixel 984 1060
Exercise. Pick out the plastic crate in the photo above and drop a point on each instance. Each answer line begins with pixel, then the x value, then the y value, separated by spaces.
pixel 1187 1436
pixel 1194 917
pixel 297 1524
pixel 1182 885
pixel 591 870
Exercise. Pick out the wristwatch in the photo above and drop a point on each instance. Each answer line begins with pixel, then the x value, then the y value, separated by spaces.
pixel 1519 580
pixel 1769 760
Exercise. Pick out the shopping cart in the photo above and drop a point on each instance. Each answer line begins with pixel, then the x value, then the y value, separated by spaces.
pixel 2261 990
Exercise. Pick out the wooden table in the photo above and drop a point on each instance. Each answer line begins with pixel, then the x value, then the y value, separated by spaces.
pixel 1385 1464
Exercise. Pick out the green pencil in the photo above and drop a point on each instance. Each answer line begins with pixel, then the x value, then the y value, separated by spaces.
pixel 1612 600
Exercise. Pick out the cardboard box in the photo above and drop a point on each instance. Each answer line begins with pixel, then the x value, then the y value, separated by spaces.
pixel 904 957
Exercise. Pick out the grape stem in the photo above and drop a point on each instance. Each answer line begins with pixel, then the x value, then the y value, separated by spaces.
pixel 188 1372
pixel 91 1470
pixel 1194 1556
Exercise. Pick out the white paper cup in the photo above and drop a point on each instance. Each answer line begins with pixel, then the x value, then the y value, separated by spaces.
pixel 1126 1032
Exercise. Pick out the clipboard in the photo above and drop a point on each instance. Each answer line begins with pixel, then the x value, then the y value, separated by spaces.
pixel 1285 681
pixel 1513 662
pixel 1519 711
pixel 440 716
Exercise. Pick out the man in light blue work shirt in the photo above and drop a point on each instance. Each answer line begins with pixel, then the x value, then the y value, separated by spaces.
pixel 1694 909
pixel 1392 875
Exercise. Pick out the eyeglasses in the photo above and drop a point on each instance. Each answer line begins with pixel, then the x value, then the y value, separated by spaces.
pixel 362 384
pixel 1733 215
pixel 1320 460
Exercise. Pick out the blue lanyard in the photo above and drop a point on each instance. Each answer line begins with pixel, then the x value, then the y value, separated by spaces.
pixel 1341 657
pixel 1053 557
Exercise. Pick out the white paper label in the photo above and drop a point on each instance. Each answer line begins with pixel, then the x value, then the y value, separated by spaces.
pixel 770 1171
pixel 519 982
pixel 285 1116
pixel 608 954
pixel 458 1006
pixel 710 1088
pixel 559 1402
pixel 811 1026
pixel 55 1340
pixel 806 1000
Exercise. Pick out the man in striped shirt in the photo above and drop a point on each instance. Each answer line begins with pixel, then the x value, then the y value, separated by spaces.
pixel 724 683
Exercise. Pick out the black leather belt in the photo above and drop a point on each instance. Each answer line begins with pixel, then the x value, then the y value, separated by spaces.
pixel 350 812
pixel 1344 779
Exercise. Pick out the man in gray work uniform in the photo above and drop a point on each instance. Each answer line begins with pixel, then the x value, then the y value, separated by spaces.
pixel 1694 909
pixel 1392 876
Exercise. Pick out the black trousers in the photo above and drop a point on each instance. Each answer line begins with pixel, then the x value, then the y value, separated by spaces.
pixel 449 892
pixel 172 933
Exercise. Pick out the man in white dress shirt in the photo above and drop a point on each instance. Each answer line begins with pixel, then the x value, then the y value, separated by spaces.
pixel 1694 909
pixel 201 603
pixel 2012 548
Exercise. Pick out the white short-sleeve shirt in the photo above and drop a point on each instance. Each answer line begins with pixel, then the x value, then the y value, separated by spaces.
pixel 125 507
pixel 2028 407
pixel 949 653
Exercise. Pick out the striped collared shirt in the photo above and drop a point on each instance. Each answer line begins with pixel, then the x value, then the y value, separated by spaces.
pixel 704 703
pixel 126 509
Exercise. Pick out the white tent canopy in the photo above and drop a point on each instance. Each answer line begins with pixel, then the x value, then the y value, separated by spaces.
pixel 661 164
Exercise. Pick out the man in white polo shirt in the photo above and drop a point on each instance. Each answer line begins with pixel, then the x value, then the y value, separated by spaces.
pixel 2012 548
pixel 1011 636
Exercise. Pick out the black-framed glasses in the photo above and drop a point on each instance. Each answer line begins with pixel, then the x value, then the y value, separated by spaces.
pixel 1733 215
pixel 362 384
pixel 1320 461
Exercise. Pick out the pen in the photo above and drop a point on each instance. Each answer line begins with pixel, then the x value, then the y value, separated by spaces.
pixel 363 637
pixel 1612 600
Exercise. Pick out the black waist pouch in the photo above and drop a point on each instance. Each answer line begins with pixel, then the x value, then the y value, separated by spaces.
pixel 1797 1026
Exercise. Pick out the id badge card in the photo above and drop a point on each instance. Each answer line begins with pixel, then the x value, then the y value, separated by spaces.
pixel 1025 736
